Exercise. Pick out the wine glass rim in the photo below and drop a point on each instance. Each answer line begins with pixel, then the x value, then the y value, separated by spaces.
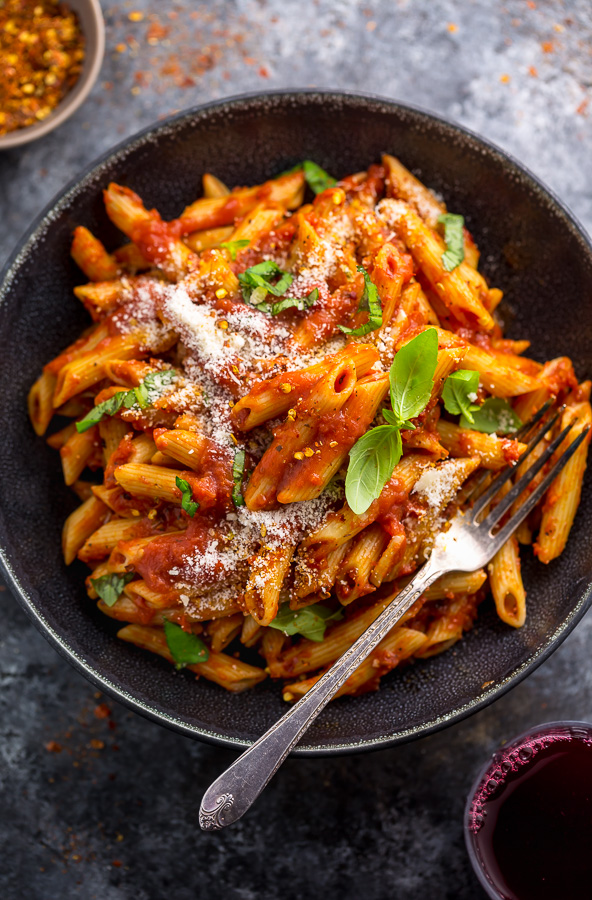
pixel 536 731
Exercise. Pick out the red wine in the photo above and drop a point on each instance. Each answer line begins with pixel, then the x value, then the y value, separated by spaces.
pixel 530 820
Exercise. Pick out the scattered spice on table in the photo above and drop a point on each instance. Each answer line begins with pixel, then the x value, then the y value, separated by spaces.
pixel 41 56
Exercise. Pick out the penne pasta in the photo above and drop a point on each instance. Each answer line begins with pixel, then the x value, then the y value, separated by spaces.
pixel 274 390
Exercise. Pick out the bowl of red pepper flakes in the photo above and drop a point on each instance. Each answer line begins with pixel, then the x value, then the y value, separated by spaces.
pixel 50 57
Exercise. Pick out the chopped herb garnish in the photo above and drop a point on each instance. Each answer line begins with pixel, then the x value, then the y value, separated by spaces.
pixel 187 503
pixel 454 239
pixel 369 301
pixel 106 408
pixel 238 469
pixel 144 395
pixel 186 648
pixel 110 587
pixel 256 283
pixel 495 415
pixel 375 455
pixel 299 303
pixel 460 392
pixel 316 178
pixel 310 622
pixel 234 246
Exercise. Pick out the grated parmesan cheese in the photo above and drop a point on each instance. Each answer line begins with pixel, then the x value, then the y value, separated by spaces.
pixel 437 485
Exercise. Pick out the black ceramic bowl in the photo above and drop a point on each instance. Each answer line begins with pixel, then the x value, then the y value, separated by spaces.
pixel 533 249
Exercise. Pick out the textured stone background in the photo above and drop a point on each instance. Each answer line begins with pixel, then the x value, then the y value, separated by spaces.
pixel 112 814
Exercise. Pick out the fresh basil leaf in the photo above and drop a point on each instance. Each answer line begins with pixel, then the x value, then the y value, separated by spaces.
pixel 299 303
pixel 317 178
pixel 156 382
pixel 371 462
pixel 149 390
pixel 106 408
pixel 460 392
pixel 310 622
pixel 140 394
pixel 186 648
pixel 187 503
pixel 454 239
pixel 260 276
pixel 234 246
pixel 369 301
pixel 412 376
pixel 390 417
pixel 495 415
pixel 110 587
pixel 238 469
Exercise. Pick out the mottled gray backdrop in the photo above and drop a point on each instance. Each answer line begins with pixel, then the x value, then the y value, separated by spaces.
pixel 98 803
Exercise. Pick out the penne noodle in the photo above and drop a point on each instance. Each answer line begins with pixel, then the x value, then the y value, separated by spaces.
pixel 563 496
pixel 80 525
pixel 40 402
pixel 493 452
pixel 77 451
pixel 505 580
pixel 90 255
pixel 267 573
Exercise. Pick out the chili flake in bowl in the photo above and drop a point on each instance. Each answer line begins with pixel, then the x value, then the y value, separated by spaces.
pixel 50 55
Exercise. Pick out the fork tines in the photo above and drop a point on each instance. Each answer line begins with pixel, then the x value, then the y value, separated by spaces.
pixel 496 514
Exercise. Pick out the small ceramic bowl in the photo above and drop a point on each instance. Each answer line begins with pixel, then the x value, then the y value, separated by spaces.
pixel 93 28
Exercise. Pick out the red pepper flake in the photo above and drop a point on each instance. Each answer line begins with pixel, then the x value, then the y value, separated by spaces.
pixel 53 747
pixel 531 4
pixel 263 72
pixel 249 61
pixel 581 110
pixel 532 70
pixel 96 744
pixel 41 56
pixel 156 33
pixel 102 711
pixel 117 863
pixel 548 47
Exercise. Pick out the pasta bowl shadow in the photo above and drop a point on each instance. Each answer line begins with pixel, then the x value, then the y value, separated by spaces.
pixel 534 250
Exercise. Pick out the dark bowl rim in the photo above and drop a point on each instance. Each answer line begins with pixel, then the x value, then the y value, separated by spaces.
pixel 118 692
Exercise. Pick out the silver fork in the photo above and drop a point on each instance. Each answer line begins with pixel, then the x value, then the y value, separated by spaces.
pixel 469 543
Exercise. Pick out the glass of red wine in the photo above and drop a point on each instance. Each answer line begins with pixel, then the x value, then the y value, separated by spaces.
pixel 528 819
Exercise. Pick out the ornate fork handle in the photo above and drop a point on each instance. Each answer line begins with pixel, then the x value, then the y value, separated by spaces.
pixel 231 795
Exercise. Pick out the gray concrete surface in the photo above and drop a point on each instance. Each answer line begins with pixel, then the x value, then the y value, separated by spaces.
pixel 110 809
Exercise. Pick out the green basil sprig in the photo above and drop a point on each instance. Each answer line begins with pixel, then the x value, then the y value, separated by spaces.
pixel 317 179
pixel 369 301
pixel 149 390
pixel 310 622
pixel 238 470
pixel 187 503
pixel 234 246
pixel 110 587
pixel 494 416
pixel 186 648
pixel 375 455
pixel 454 239
pixel 459 393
